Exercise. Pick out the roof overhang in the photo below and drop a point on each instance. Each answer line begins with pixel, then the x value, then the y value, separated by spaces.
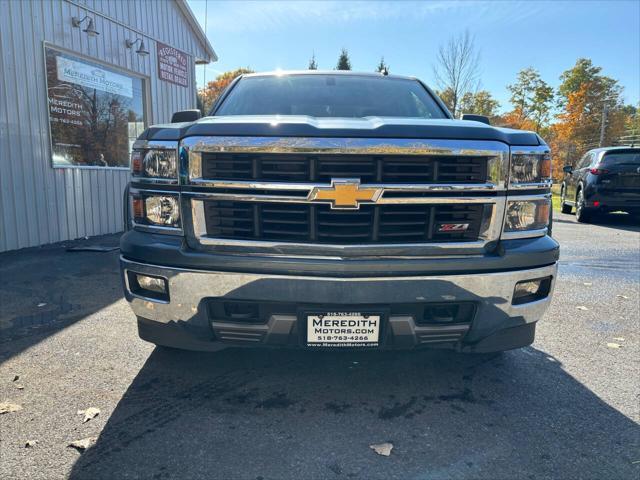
pixel 197 29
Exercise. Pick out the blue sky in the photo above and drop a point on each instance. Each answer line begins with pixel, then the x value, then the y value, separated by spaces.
pixel 548 35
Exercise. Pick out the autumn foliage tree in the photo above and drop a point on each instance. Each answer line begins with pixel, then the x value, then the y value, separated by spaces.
pixel 213 89
pixel 587 99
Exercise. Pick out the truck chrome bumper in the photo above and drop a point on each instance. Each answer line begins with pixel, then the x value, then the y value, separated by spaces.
pixel 190 290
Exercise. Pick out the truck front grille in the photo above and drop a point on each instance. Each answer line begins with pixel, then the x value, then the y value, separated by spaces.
pixel 368 168
pixel 371 224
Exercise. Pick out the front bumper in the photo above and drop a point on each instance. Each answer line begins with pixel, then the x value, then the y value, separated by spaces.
pixel 192 324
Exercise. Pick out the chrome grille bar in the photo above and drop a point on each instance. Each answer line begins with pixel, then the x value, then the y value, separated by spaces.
pixel 497 153
pixel 489 192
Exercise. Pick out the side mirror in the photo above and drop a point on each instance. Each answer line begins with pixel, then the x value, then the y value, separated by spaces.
pixel 186 116
pixel 476 118
pixel 567 169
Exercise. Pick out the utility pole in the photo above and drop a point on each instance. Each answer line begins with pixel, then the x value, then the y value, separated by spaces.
pixel 603 127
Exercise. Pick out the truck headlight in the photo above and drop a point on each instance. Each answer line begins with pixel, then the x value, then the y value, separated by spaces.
pixel 530 167
pixel 156 210
pixel 155 163
pixel 527 215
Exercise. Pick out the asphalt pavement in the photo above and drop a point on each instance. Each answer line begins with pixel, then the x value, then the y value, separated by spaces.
pixel 566 407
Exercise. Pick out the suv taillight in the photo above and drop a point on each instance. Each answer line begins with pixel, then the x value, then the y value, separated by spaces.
pixel 598 171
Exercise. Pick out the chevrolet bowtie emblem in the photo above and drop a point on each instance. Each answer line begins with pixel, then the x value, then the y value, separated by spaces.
pixel 345 194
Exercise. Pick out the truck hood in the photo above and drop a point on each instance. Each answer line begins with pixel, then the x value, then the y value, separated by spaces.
pixel 368 127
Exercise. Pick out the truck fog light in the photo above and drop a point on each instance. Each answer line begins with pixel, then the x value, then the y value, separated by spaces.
pixel 163 210
pixel 527 215
pixel 147 286
pixel 531 290
pixel 152 284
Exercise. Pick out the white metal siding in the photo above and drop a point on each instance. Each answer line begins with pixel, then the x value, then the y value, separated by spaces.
pixel 40 204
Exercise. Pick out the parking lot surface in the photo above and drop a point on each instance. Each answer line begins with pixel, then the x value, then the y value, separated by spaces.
pixel 566 407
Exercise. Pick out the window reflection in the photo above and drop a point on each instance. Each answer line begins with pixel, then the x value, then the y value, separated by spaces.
pixel 95 112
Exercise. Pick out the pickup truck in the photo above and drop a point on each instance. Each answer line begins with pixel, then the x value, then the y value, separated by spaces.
pixel 337 210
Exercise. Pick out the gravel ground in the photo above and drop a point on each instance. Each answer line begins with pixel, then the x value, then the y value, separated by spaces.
pixel 566 407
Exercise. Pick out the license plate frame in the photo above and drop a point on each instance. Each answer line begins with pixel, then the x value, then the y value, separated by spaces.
pixel 306 316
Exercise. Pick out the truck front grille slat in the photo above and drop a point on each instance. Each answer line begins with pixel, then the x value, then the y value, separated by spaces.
pixel 318 223
pixel 426 169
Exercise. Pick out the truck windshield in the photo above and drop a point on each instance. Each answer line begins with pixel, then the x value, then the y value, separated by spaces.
pixel 317 95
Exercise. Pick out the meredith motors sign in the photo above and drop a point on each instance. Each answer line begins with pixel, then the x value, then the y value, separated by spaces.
pixel 93 77
pixel 172 65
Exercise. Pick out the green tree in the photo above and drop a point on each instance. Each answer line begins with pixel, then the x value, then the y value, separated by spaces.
pixel 313 65
pixel 382 67
pixel 344 63
pixel 532 99
pixel 584 71
pixel 479 103
pixel 446 96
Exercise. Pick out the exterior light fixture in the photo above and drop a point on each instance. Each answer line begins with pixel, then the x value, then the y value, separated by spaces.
pixel 142 50
pixel 90 30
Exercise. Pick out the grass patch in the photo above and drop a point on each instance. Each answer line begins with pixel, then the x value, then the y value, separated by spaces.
pixel 555 197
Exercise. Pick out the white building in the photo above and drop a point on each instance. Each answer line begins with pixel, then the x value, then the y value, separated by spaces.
pixel 79 80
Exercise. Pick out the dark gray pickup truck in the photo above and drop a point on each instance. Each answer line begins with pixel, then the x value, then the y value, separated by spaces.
pixel 337 210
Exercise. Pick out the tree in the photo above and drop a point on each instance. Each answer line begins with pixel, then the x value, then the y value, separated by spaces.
pixel 344 63
pixel 446 96
pixel 532 99
pixel 585 72
pixel 214 88
pixel 200 103
pixel 313 65
pixel 457 69
pixel 479 103
pixel 382 67
pixel 588 101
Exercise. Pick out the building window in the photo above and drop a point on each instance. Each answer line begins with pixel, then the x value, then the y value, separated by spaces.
pixel 95 112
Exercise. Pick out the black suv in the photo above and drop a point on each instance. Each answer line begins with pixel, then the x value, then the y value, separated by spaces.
pixel 604 180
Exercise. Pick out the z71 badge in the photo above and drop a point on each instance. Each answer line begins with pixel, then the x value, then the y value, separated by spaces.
pixel 453 227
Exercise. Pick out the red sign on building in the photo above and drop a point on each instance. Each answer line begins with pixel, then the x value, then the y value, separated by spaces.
pixel 173 65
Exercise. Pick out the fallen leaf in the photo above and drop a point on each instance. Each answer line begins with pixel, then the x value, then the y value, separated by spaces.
pixel 89 413
pixel 383 449
pixel 587 284
pixel 30 443
pixel 83 444
pixel 16 378
pixel 613 345
pixel 622 296
pixel 19 387
pixel 6 407
pixel 582 308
